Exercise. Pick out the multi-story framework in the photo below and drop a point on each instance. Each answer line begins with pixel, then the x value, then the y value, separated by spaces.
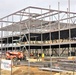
pixel 39 30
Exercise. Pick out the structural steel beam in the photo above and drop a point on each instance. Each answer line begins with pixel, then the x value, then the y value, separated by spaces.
pixel 51 10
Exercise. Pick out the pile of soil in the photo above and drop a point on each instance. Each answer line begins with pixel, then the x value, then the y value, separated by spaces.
pixel 25 70
pixel 6 72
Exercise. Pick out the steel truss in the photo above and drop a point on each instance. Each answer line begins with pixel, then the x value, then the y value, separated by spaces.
pixel 37 20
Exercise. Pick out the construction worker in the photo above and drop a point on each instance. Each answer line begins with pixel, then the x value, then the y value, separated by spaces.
pixel 43 56
pixel 38 57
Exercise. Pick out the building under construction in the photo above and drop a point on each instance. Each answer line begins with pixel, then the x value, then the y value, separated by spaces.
pixel 39 30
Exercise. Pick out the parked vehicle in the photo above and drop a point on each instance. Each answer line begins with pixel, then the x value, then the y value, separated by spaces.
pixel 15 55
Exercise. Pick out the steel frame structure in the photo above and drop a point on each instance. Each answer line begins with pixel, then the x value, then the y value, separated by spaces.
pixel 37 20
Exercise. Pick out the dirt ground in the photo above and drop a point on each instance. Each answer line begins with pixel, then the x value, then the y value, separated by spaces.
pixel 26 70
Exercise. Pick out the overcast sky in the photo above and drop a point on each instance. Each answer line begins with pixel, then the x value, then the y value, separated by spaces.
pixel 9 6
